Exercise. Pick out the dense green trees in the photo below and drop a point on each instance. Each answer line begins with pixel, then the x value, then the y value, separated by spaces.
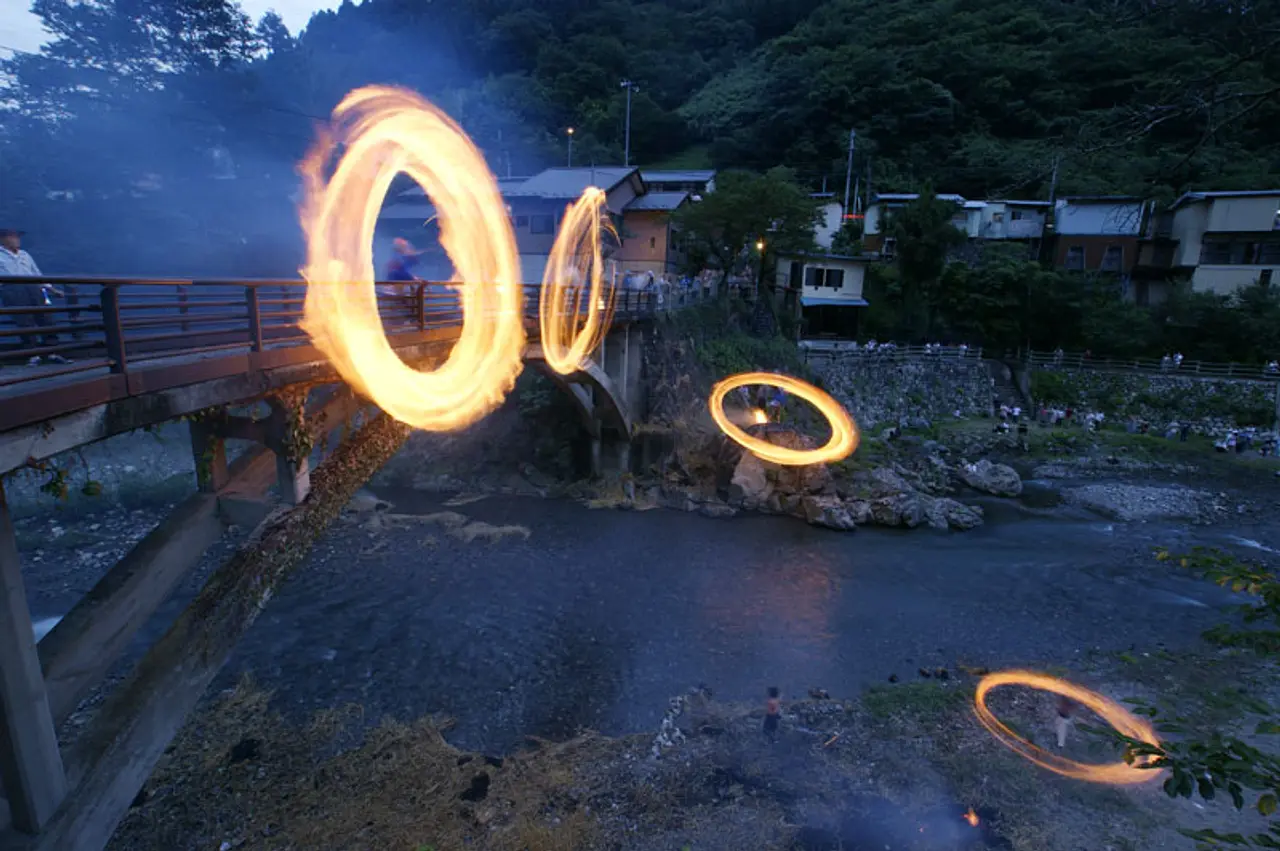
pixel 972 97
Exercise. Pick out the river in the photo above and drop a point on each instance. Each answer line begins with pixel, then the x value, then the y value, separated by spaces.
pixel 600 616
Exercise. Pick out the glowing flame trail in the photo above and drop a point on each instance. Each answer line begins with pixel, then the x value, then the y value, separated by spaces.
pixel 759 417
pixel 383 131
pixel 1116 773
pixel 844 434
pixel 574 273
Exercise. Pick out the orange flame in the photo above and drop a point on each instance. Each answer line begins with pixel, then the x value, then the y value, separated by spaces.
pixel 568 339
pixel 1117 773
pixel 844 434
pixel 381 132
pixel 759 417
pixel 971 817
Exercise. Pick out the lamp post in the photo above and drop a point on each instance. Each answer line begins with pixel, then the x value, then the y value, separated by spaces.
pixel 626 155
pixel 759 266
pixel 569 132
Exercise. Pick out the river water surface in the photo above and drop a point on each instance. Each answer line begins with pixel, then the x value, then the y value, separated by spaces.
pixel 600 616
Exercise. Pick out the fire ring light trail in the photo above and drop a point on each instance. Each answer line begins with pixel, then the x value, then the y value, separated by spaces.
pixel 844 433
pixel 1123 721
pixel 381 132
pixel 574 273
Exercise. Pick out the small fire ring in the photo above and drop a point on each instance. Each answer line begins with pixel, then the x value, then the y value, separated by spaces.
pixel 1123 721
pixel 844 433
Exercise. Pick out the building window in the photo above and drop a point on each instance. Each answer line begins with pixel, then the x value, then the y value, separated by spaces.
pixel 1269 254
pixel 542 224
pixel 1075 258
pixel 653 242
pixel 1215 252
pixel 1015 215
pixel 1113 259
pixel 999 217
pixel 835 278
pixel 1264 278
pixel 889 247
pixel 522 221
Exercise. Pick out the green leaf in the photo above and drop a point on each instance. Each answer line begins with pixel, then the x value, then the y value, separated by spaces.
pixel 1206 788
pixel 1237 795
pixel 1267 804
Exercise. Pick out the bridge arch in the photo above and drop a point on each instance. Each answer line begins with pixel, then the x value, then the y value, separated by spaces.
pixel 596 397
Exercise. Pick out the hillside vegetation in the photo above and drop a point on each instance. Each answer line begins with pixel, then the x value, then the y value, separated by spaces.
pixel 982 98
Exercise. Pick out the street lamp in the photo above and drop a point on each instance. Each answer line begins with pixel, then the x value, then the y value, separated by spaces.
pixel 570 134
pixel 626 155
pixel 760 245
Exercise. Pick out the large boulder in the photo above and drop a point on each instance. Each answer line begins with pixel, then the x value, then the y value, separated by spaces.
pixel 995 479
pixel 754 483
pixel 947 513
pixel 828 511
pixel 749 486
pixel 901 509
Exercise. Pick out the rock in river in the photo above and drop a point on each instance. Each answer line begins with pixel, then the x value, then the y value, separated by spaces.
pixel 995 479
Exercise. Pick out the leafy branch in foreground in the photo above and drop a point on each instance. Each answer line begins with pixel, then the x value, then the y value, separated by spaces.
pixel 1210 763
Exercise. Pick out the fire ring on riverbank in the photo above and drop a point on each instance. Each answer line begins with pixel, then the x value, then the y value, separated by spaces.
pixel 844 433
pixel 1123 721
pixel 378 132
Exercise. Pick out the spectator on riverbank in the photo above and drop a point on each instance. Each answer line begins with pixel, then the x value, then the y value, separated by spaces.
pixel 1066 707
pixel 17 263
pixel 772 714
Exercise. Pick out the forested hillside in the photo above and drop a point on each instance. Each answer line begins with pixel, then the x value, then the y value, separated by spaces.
pixel 982 98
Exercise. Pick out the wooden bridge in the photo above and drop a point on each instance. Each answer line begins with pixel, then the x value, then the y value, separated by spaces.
pixel 144 352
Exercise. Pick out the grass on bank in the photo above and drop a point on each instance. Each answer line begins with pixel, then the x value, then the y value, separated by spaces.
pixel 338 783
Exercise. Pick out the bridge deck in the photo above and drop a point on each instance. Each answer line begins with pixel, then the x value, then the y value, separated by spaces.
pixel 131 337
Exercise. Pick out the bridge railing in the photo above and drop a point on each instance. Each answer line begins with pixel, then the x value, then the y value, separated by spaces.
pixel 92 324
pixel 1193 368
pixel 818 351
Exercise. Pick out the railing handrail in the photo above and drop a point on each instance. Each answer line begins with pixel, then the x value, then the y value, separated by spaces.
pixel 1189 368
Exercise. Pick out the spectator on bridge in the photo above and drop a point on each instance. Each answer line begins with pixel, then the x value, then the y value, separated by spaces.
pixel 400 295
pixel 14 262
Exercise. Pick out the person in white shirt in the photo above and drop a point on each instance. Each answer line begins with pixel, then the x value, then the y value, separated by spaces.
pixel 16 263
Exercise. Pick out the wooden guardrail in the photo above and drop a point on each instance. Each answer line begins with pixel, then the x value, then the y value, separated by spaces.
pixel 1190 368
pixel 130 337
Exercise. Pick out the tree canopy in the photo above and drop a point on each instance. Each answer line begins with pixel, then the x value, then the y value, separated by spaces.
pixel 133 119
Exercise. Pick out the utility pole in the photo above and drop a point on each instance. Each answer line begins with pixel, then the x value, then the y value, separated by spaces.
pixel 570 134
pixel 848 172
pixel 626 155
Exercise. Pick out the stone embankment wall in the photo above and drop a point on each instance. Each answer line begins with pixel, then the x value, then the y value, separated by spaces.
pixel 1211 405
pixel 887 390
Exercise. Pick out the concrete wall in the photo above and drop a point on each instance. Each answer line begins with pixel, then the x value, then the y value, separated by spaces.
pixel 1119 218
pixel 1250 214
pixel 1189 226
pixel 879 393
pixel 829 226
pixel 1224 280
pixel 1212 405
pixel 646 243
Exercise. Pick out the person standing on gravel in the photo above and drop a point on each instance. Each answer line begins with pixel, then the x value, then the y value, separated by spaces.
pixel 1066 707
pixel 772 714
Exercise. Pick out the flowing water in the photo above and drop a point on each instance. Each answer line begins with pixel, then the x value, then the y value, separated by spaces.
pixel 600 616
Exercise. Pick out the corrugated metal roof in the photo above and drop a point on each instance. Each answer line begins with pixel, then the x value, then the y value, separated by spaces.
pixel 1243 193
pixel 569 183
pixel 911 196
pixel 1019 203
pixel 505 185
pixel 824 301
pixel 657 201
pixel 691 176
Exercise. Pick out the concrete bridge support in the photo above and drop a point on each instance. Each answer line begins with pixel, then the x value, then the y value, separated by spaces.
pixel 621 357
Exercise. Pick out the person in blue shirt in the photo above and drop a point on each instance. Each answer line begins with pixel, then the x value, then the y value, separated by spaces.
pixel 399 297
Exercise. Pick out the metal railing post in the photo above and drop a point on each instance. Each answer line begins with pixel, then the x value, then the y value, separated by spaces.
pixel 255 318
pixel 112 329
pixel 420 304
pixel 183 309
